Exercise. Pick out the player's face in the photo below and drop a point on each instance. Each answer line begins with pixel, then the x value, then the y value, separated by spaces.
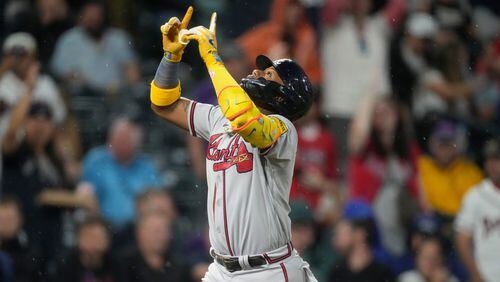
pixel 269 74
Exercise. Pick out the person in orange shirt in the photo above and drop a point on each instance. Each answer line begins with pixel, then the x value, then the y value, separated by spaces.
pixel 288 33
pixel 446 174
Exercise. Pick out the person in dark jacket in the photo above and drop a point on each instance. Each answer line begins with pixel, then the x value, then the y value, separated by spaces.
pixel 149 260
pixel 90 261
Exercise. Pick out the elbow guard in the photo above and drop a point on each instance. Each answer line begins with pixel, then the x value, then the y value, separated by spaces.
pixel 245 118
pixel 164 97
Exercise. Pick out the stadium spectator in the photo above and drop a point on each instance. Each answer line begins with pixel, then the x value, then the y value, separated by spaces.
pixel 5 267
pixel 354 56
pixel 315 176
pixel 487 96
pixel 151 200
pixel 26 262
pixel 118 172
pixel 196 251
pixel 94 55
pixel 304 239
pixel 451 60
pixel 453 15
pixel 156 201
pixel 33 171
pixel 288 33
pixel 383 168
pixel 410 56
pixel 22 77
pixel 53 19
pixel 303 232
pixel 429 73
pixel 430 264
pixel 150 260
pixel 90 260
pixel 478 222
pixel 354 239
pixel 446 174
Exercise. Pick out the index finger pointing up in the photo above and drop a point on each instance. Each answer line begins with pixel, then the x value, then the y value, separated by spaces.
pixel 213 20
pixel 187 18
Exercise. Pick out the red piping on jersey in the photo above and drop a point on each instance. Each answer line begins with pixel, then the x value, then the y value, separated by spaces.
pixel 285 273
pixel 274 260
pixel 191 118
pixel 213 204
pixel 225 214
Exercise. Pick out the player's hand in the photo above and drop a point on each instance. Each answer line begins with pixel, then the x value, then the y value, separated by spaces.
pixel 207 41
pixel 170 36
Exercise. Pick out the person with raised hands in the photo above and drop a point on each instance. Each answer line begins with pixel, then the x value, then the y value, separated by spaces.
pixel 250 156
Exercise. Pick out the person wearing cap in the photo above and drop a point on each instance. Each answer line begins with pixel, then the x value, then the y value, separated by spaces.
pixel 446 174
pixel 408 56
pixel 22 76
pixel 478 222
pixel 32 168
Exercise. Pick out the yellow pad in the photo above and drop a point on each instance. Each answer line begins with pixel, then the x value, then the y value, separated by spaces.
pixel 164 97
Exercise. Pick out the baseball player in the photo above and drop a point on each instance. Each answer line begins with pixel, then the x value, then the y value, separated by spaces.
pixel 478 222
pixel 250 156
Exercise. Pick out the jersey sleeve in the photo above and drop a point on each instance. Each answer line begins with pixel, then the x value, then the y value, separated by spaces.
pixel 285 147
pixel 202 119
pixel 466 218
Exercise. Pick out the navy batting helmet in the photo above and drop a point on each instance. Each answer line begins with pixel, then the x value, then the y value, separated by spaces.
pixel 292 99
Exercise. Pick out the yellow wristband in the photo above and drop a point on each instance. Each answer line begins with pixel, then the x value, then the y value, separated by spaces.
pixel 164 97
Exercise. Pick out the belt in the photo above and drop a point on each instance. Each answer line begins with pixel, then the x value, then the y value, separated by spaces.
pixel 232 264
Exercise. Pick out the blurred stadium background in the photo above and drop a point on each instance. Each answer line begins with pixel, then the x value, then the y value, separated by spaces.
pixel 94 187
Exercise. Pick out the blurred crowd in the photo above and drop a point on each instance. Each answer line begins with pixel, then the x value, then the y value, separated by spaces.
pixel 397 174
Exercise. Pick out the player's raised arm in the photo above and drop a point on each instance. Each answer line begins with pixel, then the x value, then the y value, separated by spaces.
pixel 245 118
pixel 165 93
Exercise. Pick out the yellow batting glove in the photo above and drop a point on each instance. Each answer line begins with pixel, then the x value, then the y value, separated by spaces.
pixel 207 41
pixel 170 36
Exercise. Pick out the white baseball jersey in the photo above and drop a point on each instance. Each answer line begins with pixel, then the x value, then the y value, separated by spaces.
pixel 480 217
pixel 248 188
